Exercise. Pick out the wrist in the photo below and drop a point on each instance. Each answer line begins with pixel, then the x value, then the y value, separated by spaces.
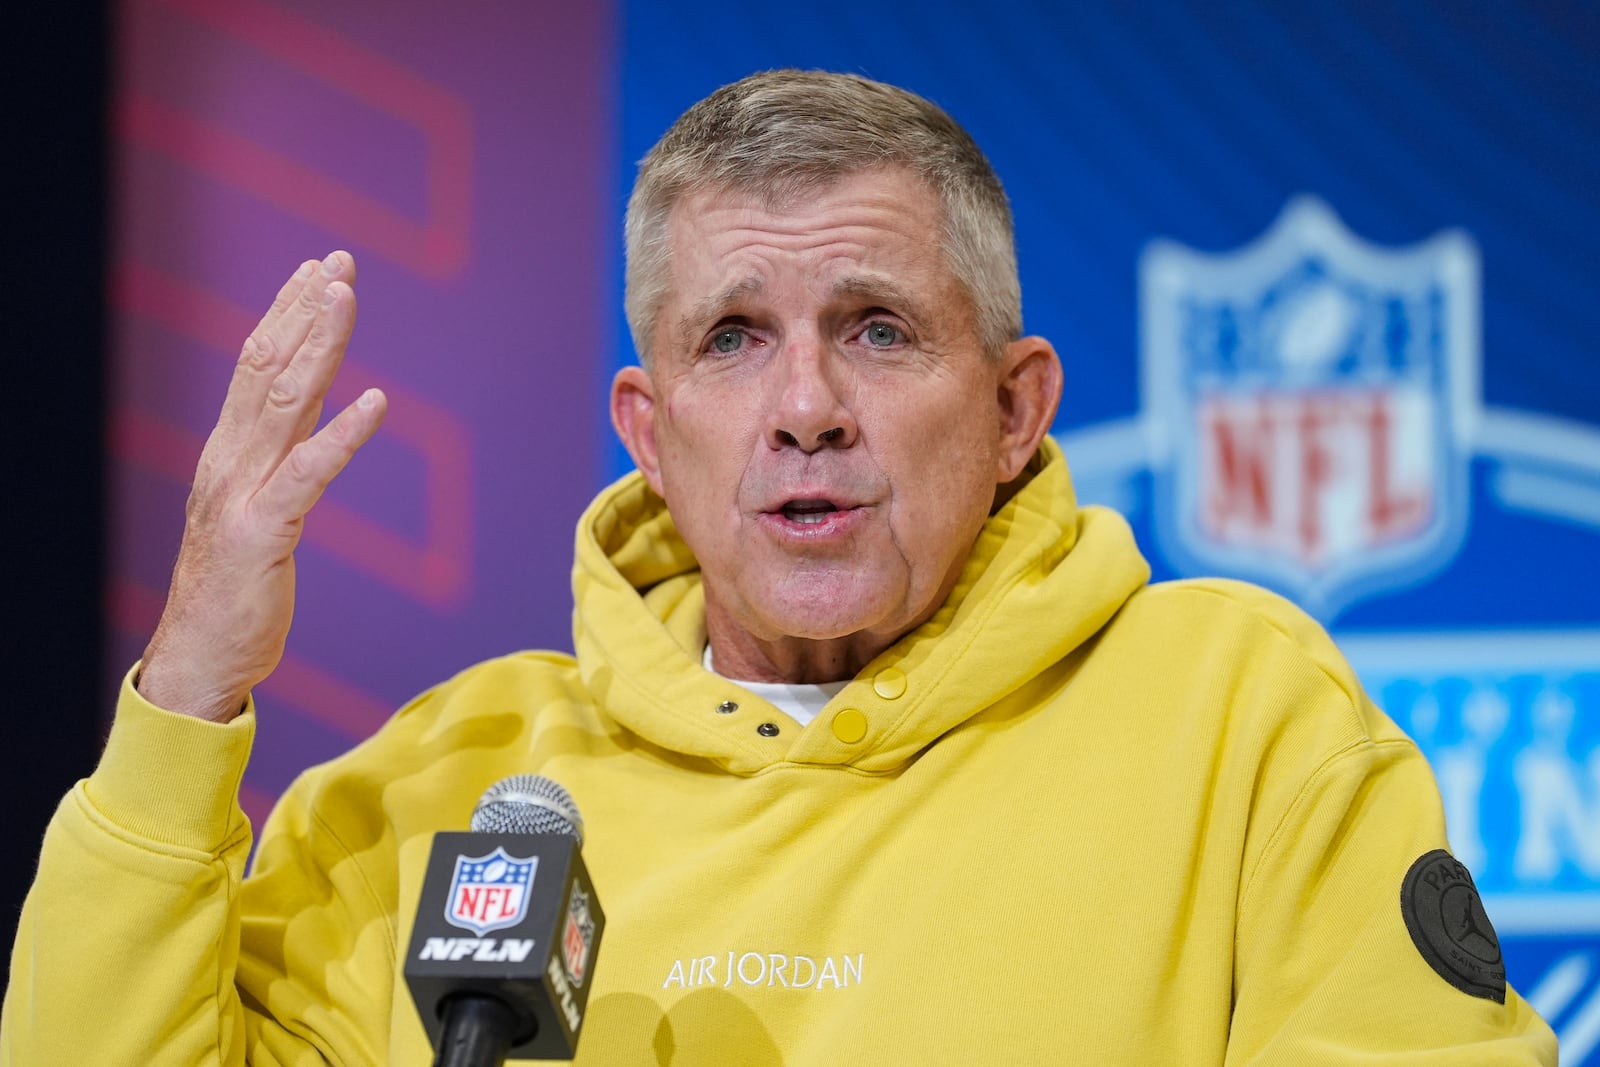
pixel 171 689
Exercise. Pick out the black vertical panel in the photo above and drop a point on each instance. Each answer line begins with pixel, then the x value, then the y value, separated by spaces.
pixel 53 327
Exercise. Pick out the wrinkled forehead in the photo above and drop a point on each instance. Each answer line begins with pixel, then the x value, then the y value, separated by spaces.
pixel 868 234
pixel 883 213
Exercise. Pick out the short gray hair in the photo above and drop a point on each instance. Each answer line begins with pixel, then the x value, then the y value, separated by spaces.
pixel 782 133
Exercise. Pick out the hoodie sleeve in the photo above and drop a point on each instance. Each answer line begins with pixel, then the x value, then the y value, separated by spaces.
pixel 129 946
pixel 1360 940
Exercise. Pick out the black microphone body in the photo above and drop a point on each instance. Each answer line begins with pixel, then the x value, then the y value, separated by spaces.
pixel 506 934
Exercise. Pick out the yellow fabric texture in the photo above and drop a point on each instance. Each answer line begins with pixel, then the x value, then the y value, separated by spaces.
pixel 1088 821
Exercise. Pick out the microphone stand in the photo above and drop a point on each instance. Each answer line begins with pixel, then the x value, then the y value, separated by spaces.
pixel 478 1031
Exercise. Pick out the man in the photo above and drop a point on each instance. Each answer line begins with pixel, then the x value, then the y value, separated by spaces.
pixel 887 752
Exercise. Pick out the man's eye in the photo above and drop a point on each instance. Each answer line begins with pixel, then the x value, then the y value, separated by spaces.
pixel 882 335
pixel 726 341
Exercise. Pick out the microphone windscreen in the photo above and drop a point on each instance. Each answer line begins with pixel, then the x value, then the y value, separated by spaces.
pixel 527 804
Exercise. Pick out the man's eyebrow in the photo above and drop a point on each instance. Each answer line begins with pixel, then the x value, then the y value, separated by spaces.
pixel 691 322
pixel 880 292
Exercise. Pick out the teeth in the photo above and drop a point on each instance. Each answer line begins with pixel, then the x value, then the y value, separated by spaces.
pixel 809 511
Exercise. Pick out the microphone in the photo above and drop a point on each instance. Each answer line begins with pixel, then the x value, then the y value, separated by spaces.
pixel 518 875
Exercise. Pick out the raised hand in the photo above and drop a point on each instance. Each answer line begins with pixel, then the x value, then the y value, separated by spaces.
pixel 232 595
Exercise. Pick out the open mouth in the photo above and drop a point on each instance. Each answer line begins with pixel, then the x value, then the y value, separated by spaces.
pixel 808 511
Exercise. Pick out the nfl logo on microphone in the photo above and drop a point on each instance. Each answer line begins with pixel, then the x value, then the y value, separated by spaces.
pixel 1311 402
pixel 578 936
pixel 489 892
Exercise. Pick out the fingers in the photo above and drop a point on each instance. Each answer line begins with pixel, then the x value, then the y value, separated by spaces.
pixel 274 343
pixel 293 401
pixel 300 479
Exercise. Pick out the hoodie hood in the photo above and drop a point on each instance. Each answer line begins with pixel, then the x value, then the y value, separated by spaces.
pixel 1043 577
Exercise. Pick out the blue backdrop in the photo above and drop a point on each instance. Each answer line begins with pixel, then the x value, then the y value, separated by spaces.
pixel 1324 278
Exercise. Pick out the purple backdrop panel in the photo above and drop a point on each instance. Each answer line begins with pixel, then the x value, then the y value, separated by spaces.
pixel 462 153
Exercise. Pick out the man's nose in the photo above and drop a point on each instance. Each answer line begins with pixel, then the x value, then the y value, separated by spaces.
pixel 809 411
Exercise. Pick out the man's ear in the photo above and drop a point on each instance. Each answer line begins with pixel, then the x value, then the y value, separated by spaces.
pixel 633 413
pixel 1029 392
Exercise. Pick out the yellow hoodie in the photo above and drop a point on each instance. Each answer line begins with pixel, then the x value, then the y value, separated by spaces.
pixel 1071 819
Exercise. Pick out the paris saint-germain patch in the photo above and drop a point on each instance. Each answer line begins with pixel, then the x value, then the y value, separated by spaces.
pixel 1448 925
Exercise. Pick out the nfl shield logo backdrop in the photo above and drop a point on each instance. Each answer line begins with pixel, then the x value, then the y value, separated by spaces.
pixel 489 892
pixel 1309 405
